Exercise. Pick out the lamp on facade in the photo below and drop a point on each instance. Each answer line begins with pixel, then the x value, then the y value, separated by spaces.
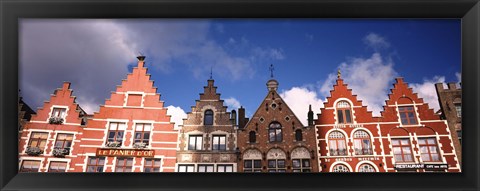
pixel 312 153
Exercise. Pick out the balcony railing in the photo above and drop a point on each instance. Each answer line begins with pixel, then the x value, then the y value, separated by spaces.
pixel 60 152
pixel 33 151
pixel 338 152
pixel 363 152
pixel 139 145
pixel 113 144
pixel 55 120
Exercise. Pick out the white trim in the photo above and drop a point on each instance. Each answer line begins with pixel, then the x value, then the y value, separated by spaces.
pixel 346 143
pixel 68 160
pixel 60 107
pixel 41 159
pixel 367 162
pixel 340 162
pixel 93 129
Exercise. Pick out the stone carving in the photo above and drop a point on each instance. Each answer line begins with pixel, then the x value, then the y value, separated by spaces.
pixel 252 154
pixel 206 157
pixel 224 157
pixel 300 153
pixel 276 154
pixel 187 158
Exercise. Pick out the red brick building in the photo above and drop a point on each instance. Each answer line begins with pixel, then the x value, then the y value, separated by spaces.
pixel 407 137
pixel 47 143
pixel 208 136
pixel 274 140
pixel 131 132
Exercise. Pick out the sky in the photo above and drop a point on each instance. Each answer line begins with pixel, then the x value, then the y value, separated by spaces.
pixel 96 54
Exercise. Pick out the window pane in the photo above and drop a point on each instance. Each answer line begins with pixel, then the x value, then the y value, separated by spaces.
pixel 296 163
pixel 247 164
pixel 281 163
pixel 347 115
pixel 257 164
pixel 271 164
pixel 306 163
pixel 340 116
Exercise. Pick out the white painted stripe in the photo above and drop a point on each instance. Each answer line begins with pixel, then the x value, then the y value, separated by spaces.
pixel 163 142
pixel 164 148
pixel 88 139
pixel 166 132
pixel 94 129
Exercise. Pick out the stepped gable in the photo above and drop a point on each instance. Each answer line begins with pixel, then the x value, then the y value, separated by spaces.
pixel 341 90
pixel 60 97
pixel 402 94
pixel 209 99
pixel 137 85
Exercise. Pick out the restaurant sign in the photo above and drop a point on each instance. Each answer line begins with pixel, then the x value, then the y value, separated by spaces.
pixel 124 152
pixel 421 166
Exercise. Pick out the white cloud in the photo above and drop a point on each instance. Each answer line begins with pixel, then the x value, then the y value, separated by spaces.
pixel 459 78
pixel 369 79
pixel 269 53
pixel 426 90
pixel 376 41
pixel 177 114
pixel 232 103
pixel 299 98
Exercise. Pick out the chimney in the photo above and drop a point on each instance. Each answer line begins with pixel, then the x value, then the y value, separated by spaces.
pixel 141 61
pixel 310 116
pixel 241 117
pixel 452 86
pixel 233 117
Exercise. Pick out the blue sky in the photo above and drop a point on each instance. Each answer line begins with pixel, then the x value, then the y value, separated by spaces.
pixel 95 55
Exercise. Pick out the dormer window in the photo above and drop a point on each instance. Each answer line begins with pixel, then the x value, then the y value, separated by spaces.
pixel 407 115
pixel 115 134
pixel 343 112
pixel 208 117
pixel 57 116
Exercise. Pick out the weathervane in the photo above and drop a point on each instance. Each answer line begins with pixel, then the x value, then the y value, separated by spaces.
pixel 211 69
pixel 271 70
pixel 339 74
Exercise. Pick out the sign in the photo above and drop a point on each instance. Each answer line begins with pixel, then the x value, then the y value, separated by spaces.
pixel 436 166
pixel 124 152
pixel 409 166
pixel 421 166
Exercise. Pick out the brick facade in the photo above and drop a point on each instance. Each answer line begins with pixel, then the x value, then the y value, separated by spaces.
pixel 268 142
pixel 208 139
pixel 450 101
pixel 408 136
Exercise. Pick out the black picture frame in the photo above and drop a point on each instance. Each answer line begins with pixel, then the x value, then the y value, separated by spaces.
pixel 11 11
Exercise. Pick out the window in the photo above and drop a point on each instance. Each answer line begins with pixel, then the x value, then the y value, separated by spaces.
pixel 224 168
pixel 402 150
pixel 30 166
pixel 95 164
pixel 186 168
pixel 219 142
pixel 429 149
pixel 208 118
pixel 252 166
pixel 366 168
pixel 459 134
pixel 115 133
pixel 337 144
pixel 275 132
pixel 64 141
pixel 205 168
pixel 124 165
pixel 407 115
pixel 298 135
pixel 142 133
pixel 458 108
pixel 301 160
pixel 301 165
pixel 361 143
pixel 152 165
pixel 340 168
pixel 58 112
pixel 38 139
pixel 195 142
pixel 252 137
pixel 343 112
pixel 276 165
pixel 57 167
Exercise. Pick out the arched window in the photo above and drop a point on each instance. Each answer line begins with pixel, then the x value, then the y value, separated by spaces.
pixel 340 168
pixel 429 149
pixel 276 160
pixel 337 144
pixel 343 112
pixel 298 135
pixel 252 161
pixel 275 132
pixel 208 117
pixel 362 143
pixel 252 137
pixel 301 160
pixel 366 168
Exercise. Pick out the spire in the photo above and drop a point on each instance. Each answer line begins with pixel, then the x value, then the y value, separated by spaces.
pixel 310 116
pixel 339 74
pixel 272 84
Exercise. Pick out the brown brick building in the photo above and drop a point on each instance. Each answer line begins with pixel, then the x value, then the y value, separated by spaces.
pixel 208 138
pixel 407 137
pixel 274 140
pixel 450 101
